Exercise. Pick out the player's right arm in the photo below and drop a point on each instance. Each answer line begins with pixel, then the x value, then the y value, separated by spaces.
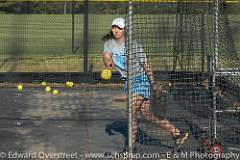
pixel 107 60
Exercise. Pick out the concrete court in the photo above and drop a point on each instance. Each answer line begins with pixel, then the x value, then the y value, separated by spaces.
pixel 77 120
pixel 83 120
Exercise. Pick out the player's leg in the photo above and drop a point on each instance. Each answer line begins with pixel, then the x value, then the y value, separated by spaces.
pixel 179 136
pixel 163 123
pixel 137 102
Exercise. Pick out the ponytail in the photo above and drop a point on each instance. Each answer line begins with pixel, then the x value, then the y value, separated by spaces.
pixel 107 36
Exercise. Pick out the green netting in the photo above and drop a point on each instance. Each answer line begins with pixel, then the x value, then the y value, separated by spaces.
pixel 202 84
pixel 49 36
pixel 41 42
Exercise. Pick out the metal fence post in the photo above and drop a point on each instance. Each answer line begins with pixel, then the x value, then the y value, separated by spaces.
pixel 85 40
pixel 73 26
pixel 202 35
pixel 129 70
pixel 214 67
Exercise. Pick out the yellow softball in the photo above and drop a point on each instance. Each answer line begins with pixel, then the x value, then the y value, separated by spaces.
pixel 20 87
pixel 106 74
pixel 67 83
pixel 44 84
pixel 55 92
pixel 48 89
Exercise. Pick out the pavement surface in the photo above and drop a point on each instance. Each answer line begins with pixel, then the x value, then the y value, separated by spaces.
pixel 89 120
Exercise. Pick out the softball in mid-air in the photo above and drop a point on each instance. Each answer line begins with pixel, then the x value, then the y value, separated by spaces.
pixel 106 74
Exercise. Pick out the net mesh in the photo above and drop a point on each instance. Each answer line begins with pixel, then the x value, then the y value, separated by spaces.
pixel 179 37
pixel 100 21
pixel 50 36
pixel 38 36
pixel 228 76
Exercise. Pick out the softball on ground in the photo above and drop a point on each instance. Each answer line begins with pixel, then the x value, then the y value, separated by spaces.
pixel 67 83
pixel 236 105
pixel 106 74
pixel 48 89
pixel 55 92
pixel 20 87
pixel 44 84
pixel 70 84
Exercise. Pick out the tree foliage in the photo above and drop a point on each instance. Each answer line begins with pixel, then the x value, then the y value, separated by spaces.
pixel 37 7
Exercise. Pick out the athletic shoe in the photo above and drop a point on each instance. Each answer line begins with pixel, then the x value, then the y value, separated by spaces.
pixel 181 139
